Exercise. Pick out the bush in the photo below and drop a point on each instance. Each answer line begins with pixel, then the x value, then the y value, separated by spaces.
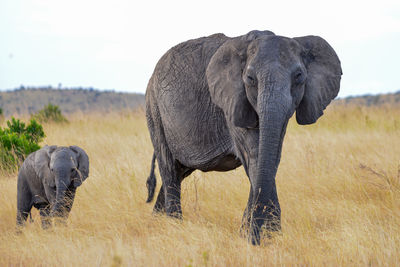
pixel 17 141
pixel 50 113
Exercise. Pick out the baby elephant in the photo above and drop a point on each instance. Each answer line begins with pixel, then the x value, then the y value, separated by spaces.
pixel 48 180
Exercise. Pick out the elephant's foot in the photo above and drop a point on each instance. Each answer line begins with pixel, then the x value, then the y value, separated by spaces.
pixel 173 200
pixel 267 221
pixel 159 206
pixel 273 225
pixel 246 226
pixel 158 210
pixel 60 221
pixel 44 210
pixel 176 214
pixel 18 229
pixel 21 220
pixel 173 207
pixel 46 223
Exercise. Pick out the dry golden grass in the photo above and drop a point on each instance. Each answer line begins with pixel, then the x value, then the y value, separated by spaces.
pixel 338 184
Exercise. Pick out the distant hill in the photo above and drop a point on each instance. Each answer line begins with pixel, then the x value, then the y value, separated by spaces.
pixel 371 100
pixel 27 101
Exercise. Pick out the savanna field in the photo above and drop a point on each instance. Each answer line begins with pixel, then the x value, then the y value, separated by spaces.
pixel 338 186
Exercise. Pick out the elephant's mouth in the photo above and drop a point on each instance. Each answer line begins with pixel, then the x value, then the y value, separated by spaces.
pixel 257 127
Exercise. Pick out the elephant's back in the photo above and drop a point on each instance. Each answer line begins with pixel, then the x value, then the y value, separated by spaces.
pixel 185 64
pixel 194 127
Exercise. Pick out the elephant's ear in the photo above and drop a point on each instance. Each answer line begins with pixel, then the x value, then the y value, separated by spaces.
pixel 42 164
pixel 83 165
pixel 323 78
pixel 224 77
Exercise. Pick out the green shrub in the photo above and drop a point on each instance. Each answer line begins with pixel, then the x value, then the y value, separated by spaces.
pixel 50 113
pixel 17 141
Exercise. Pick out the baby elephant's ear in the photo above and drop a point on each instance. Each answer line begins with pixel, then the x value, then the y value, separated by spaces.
pixel 83 165
pixel 42 164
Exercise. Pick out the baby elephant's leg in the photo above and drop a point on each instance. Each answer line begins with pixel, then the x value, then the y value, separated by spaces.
pixel 45 215
pixel 22 215
pixel 24 203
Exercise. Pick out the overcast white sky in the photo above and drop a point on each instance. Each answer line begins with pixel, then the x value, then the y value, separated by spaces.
pixel 116 44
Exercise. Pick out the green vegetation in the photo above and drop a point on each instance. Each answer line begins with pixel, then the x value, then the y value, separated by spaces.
pixel 50 113
pixel 17 141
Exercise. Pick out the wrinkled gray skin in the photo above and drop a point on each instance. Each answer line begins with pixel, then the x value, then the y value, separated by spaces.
pixel 216 103
pixel 48 179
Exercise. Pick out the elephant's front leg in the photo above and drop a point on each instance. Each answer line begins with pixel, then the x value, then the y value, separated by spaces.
pixel 24 202
pixel 266 211
pixel 262 210
pixel 45 216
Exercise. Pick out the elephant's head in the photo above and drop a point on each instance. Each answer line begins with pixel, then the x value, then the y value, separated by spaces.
pixel 250 74
pixel 61 170
pixel 260 79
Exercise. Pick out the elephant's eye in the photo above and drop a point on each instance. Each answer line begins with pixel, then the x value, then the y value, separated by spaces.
pixel 298 77
pixel 250 80
pixel 73 172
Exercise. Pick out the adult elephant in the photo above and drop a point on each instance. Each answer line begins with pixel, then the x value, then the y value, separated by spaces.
pixel 216 103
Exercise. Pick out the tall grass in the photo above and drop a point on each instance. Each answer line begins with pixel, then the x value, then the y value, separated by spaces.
pixel 338 185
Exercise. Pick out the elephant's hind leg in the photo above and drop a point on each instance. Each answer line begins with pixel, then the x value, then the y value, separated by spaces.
pixel 182 172
pixel 169 197
pixel 172 180
pixel 159 207
pixel 171 187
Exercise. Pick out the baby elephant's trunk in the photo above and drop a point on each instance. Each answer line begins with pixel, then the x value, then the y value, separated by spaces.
pixel 58 210
pixel 151 181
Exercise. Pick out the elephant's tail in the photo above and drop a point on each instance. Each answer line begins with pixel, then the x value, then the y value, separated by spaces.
pixel 151 180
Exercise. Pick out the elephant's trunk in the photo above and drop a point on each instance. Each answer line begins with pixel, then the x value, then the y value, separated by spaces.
pixel 58 209
pixel 273 108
